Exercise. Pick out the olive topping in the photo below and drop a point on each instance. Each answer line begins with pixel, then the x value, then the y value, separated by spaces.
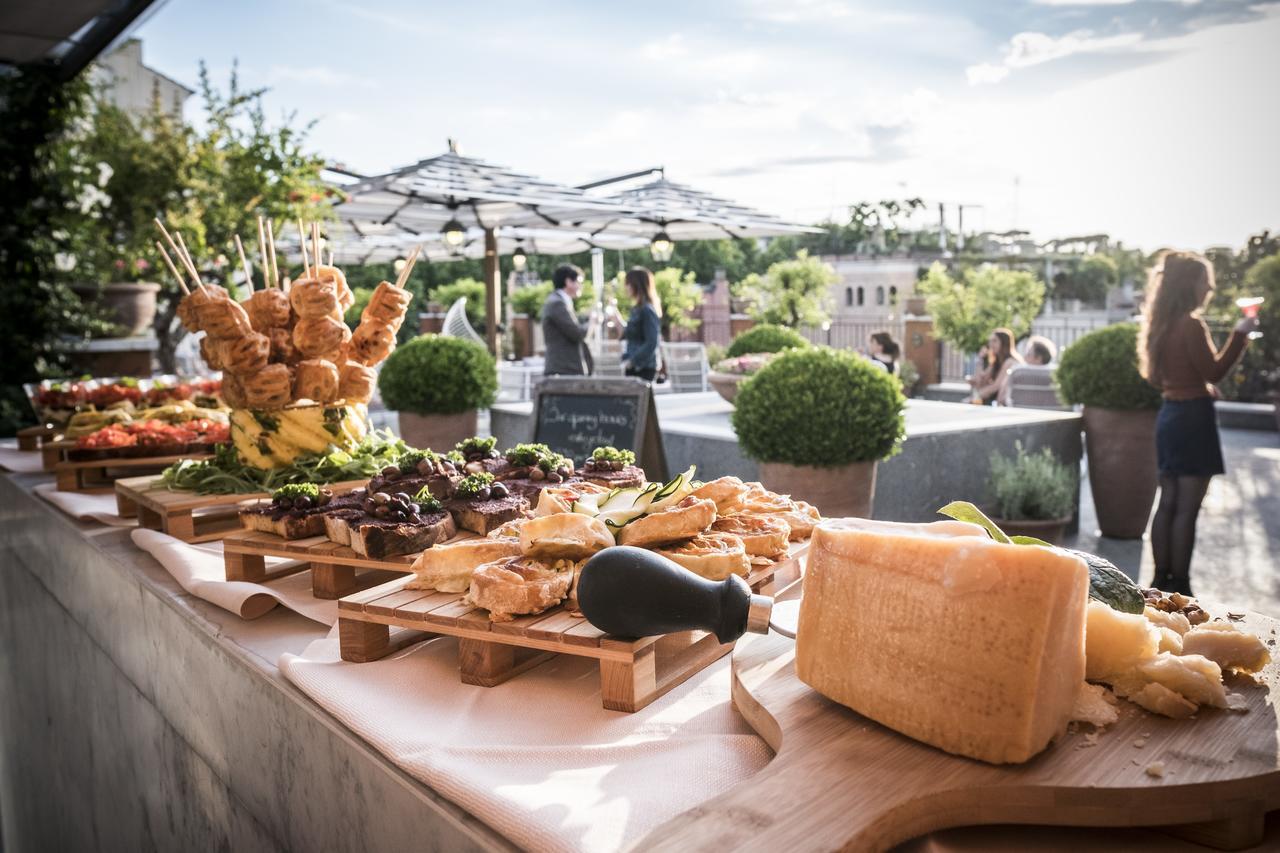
pixel 553 477
pixel 537 474
pixel 563 471
pixel 498 490
pixel 617 465
pixel 359 493
pixel 484 493
pixel 426 467
pixel 449 467
pixel 380 511
pixel 415 509
pixel 302 502
pixel 391 471
pixel 402 497
pixel 381 498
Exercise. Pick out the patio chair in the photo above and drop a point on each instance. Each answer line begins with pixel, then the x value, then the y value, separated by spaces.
pixel 1030 386
pixel 456 324
pixel 687 367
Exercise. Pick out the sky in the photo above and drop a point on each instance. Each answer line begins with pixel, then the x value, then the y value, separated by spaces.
pixel 1155 121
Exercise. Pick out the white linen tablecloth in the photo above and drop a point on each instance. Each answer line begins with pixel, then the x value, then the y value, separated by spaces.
pixel 85 506
pixel 537 757
pixel 198 568
pixel 20 461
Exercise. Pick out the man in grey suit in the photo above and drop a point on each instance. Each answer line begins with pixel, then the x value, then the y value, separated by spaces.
pixel 564 334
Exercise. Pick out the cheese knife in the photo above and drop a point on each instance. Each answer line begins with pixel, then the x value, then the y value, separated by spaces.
pixel 632 592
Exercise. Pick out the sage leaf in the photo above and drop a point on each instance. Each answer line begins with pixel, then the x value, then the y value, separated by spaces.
pixel 1111 586
pixel 965 511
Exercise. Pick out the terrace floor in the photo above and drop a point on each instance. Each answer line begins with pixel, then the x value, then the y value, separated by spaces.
pixel 1236 559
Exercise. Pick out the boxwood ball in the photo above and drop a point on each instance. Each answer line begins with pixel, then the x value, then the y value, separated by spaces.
pixel 821 407
pixel 1101 370
pixel 436 375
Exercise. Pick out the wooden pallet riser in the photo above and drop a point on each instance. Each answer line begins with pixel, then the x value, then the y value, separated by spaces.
pixel 633 672
pixel 336 570
pixel 186 515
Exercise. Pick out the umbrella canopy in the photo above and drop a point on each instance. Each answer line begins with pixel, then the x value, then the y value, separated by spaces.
pixel 682 213
pixel 423 198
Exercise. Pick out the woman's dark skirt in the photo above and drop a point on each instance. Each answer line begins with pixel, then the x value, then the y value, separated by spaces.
pixel 1187 443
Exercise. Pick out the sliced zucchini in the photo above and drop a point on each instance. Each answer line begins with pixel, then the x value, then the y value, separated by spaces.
pixel 646 496
pixel 673 492
pixel 621 499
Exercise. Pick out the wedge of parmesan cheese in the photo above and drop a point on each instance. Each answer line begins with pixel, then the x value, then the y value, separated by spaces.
pixel 1117 642
pixel 940 633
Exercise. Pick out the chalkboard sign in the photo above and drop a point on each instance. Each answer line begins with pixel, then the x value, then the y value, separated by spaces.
pixel 575 416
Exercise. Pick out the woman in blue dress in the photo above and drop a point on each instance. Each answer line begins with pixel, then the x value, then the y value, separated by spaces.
pixel 644 327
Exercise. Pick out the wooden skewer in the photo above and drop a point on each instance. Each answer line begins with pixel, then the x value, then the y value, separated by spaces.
pixel 408 266
pixel 185 260
pixel 191 265
pixel 244 262
pixel 315 244
pixel 331 256
pixel 262 255
pixel 271 245
pixel 169 263
pixel 302 244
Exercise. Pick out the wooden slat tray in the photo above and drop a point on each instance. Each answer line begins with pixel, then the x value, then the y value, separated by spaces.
pixel 35 437
pixel 632 672
pixel 187 515
pixel 333 566
pixel 100 474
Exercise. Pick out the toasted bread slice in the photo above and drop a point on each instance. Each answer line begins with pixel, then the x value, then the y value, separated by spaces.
pixel 287 525
pixel 372 537
pixel 481 516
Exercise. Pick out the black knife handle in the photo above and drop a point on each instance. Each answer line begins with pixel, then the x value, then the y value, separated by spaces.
pixel 632 592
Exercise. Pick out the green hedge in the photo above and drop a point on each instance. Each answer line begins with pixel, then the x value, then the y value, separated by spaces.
pixel 436 375
pixel 765 337
pixel 822 407
pixel 1101 370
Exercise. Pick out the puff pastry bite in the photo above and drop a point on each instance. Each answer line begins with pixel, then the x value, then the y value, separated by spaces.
pixel 519 586
pixel 564 535
pixel 508 530
pixel 714 556
pixel 448 568
pixel 761 535
pixel 317 380
pixel 801 518
pixel 760 500
pixel 725 491
pixel 555 499
pixel 685 520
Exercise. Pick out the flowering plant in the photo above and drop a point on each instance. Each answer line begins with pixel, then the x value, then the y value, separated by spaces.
pixel 744 365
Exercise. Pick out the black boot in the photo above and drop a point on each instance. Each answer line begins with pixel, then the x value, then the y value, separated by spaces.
pixel 1179 583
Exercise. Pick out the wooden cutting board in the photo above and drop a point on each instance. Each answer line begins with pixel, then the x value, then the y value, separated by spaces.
pixel 841 781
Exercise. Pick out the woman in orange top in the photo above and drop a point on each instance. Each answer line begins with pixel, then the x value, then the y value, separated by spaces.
pixel 1176 354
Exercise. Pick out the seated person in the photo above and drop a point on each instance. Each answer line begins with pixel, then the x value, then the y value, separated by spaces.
pixel 1039 352
pixel 1000 355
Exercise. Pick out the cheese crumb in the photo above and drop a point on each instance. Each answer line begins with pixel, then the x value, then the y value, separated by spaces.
pixel 1156 769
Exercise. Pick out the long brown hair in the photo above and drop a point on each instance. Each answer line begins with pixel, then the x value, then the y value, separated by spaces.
pixel 1171 295
pixel 1008 351
pixel 643 290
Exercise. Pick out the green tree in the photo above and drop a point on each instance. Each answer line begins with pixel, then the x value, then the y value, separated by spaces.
pixel 1090 281
pixel 677 290
pixel 983 298
pixel 211 184
pixel 447 294
pixel 792 293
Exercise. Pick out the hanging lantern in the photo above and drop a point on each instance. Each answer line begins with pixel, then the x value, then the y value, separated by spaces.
pixel 519 259
pixel 453 233
pixel 661 247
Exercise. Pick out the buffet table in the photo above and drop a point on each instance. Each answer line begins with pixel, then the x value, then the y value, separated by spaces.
pixel 136 716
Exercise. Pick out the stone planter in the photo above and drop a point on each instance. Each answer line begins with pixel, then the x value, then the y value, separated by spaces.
pixel 1121 446
pixel 437 432
pixel 726 384
pixel 1050 530
pixel 130 305
pixel 848 490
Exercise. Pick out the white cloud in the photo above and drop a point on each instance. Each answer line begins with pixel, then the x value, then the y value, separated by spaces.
pixel 320 75
pixel 666 49
pixel 1028 49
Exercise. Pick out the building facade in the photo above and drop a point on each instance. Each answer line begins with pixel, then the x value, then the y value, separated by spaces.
pixel 133 87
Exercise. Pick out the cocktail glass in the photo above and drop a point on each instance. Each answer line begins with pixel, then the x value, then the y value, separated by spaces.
pixel 1249 305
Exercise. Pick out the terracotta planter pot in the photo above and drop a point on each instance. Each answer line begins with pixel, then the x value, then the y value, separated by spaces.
pixel 1121 447
pixel 848 490
pixel 726 384
pixel 1051 530
pixel 130 305
pixel 437 432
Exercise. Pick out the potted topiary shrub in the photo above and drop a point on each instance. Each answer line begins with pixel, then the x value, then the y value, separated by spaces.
pixel 765 337
pixel 817 420
pixel 1032 494
pixel 437 383
pixel 1100 372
